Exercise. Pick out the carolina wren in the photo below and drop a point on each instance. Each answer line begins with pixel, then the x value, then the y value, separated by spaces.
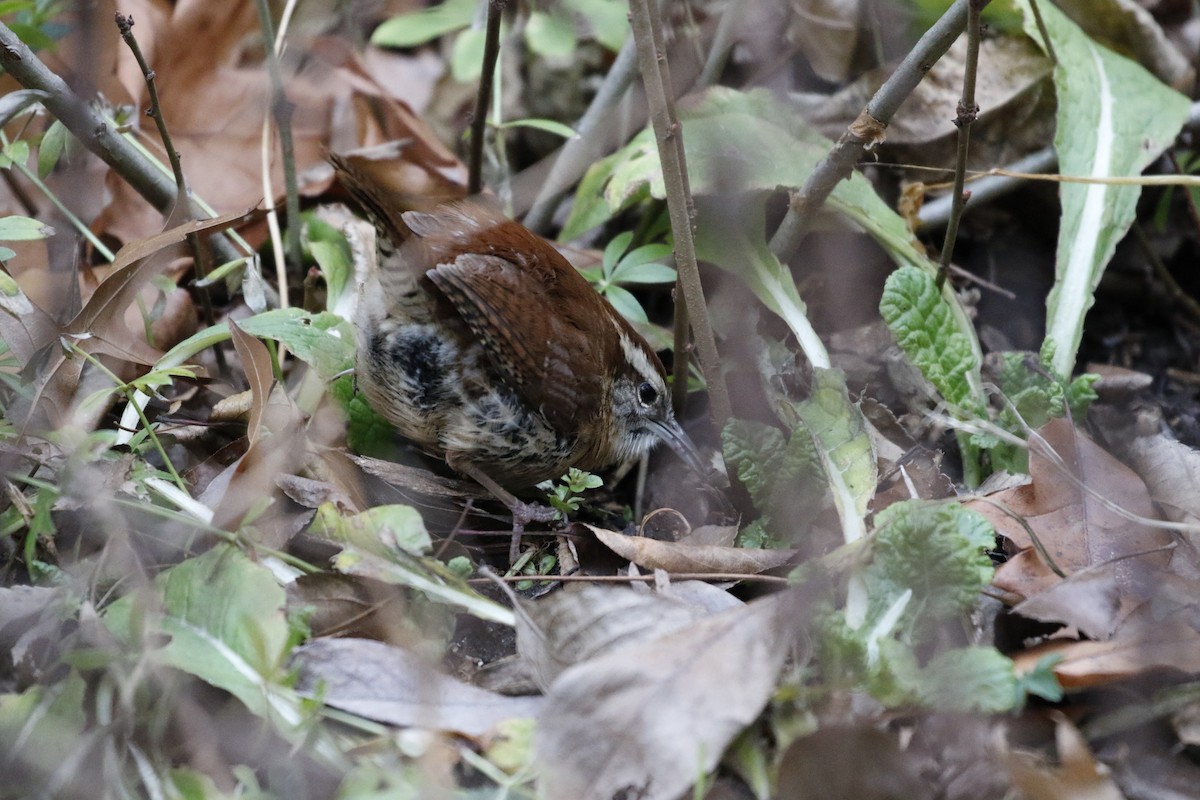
pixel 481 344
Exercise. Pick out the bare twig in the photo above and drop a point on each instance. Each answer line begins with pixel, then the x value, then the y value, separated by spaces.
pixel 95 132
pixel 867 130
pixel 647 33
pixel 181 212
pixel 968 110
pixel 491 51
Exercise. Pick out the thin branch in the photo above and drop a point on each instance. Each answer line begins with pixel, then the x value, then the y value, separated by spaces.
pixel 95 132
pixel 181 212
pixel 968 110
pixel 647 33
pixel 867 130
pixel 491 52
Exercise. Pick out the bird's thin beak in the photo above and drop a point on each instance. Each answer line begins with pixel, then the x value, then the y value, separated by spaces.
pixel 670 432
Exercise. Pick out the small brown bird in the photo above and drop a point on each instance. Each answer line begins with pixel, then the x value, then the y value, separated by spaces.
pixel 480 343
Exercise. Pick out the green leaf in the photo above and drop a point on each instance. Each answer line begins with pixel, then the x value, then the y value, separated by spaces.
pixel 466 57
pixel 934 549
pixel 844 443
pixel 324 340
pixel 550 36
pixel 224 618
pixel 750 448
pixel 614 250
pixel 926 327
pixel 729 243
pixel 16 153
pixel 366 431
pixel 379 530
pixel 968 680
pixel 54 140
pixel 1114 118
pixel 609 19
pixel 1041 680
pixel 626 304
pixel 23 229
pixel 409 30
pixel 332 253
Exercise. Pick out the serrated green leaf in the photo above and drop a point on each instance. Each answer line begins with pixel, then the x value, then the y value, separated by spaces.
pixel 366 431
pixel 1114 118
pixel 925 326
pixel 968 680
pixel 749 446
pixel 934 549
pixel 409 30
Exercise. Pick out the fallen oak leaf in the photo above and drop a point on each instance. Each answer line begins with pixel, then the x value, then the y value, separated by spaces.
pixel 1146 640
pixel 1069 505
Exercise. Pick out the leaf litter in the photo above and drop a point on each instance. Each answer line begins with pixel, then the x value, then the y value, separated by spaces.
pixel 841 679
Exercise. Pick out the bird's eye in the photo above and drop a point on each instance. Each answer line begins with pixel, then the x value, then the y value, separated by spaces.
pixel 647 394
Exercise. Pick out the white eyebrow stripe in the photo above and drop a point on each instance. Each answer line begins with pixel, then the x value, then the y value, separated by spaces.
pixel 636 356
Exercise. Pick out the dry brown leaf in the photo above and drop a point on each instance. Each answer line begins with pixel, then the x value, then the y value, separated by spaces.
pixel 647 719
pixel 256 363
pixel 391 685
pixel 1148 639
pixel 215 94
pixel 826 31
pixel 1170 469
pixel 1073 524
pixel 678 557
pixel 1077 777
pixel 99 326
pixel 1087 600
pixel 583 622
